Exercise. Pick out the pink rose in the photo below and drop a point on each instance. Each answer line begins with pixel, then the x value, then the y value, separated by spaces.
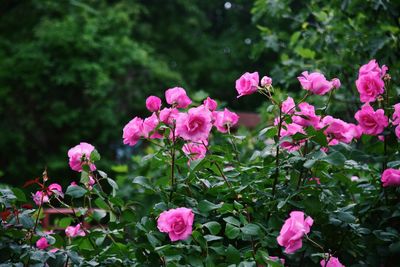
pixel 317 180
pixel 288 106
pixel 149 126
pixel 370 86
pixel 177 97
pixel 315 82
pixel 396 114
pixel 371 122
pixel 306 116
pixel 73 231
pixel 55 188
pixel 153 103
pixel 355 130
pixel 42 243
pixel 195 150
pixel 177 223
pixel 133 131
pixel 247 84
pixel 40 197
pixel 209 103
pixel 372 67
pixel 73 183
pixel 80 155
pixel 390 177
pixel 90 183
pixel 336 83
pixel 332 262
pixel 195 125
pixel 289 130
pixel 266 81
pixel 397 131
pixel 338 129
pixel 168 115
pixel 225 119
pixel 354 178
pixel 293 231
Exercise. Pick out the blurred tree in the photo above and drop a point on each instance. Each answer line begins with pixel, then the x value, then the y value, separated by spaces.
pixel 75 70
pixel 335 37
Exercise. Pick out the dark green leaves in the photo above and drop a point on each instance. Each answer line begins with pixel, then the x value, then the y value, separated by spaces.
pixel 75 191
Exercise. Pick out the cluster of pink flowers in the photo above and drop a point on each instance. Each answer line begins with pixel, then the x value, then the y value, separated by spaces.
pixel 370 82
pixel 74 231
pixel 193 125
pixel 43 196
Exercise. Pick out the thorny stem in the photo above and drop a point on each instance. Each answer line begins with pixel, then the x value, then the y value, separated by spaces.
pixel 222 174
pixel 172 162
pixel 315 243
pixel 277 153
pixel 233 144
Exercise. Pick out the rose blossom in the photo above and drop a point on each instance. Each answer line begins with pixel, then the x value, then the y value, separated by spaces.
pixel 73 231
pixel 177 97
pixel 40 197
pixel 306 116
pixel 289 130
pixel 336 83
pixel 266 81
pixel 149 126
pixel 315 82
pixel 247 84
pixel 332 262
pixel 55 188
pixel 153 103
pixel 42 243
pixel 210 103
pixel 293 231
pixel 168 115
pixel 195 150
pixel 224 120
pixel 177 223
pixel 133 131
pixel 79 155
pixel 288 106
pixel 372 67
pixel 338 129
pixel 390 177
pixel 371 122
pixel 397 131
pixel 370 86
pixel 396 114
pixel 195 125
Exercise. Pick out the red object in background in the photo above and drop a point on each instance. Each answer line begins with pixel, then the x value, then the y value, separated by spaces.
pixel 248 119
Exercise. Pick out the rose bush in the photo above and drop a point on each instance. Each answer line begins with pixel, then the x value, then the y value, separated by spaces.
pixel 305 189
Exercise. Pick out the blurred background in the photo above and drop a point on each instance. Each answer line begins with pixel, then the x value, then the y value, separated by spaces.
pixel 75 70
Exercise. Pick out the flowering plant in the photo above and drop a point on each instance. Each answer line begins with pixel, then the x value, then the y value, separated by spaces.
pixel 305 190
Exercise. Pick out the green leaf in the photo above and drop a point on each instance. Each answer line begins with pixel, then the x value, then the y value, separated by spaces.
pixel 19 194
pixel 75 191
pixel 213 227
pixel 232 254
pixel 232 220
pixel 99 214
pixel 206 206
pixel 84 177
pixel 94 156
pixel 210 238
pixel 335 158
pixel 251 229
pixel 231 231
pixel 64 222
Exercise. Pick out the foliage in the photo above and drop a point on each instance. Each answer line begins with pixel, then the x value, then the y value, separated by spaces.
pixel 241 192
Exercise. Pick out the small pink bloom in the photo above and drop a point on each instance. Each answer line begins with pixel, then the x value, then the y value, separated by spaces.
pixel 225 119
pixel 73 231
pixel 153 103
pixel 396 114
pixel 266 81
pixel 168 115
pixel 55 188
pixel 177 97
pixel 73 183
pixel 149 126
pixel 195 125
pixel 317 180
pixel 177 223
pixel 42 243
pixel 315 82
pixel 370 86
pixel 195 150
pixel 336 83
pixel 39 198
pixel 371 122
pixel 333 262
pixel 354 178
pixel 80 155
pixel 210 103
pixel 338 129
pixel 289 130
pixel 306 116
pixel 133 131
pixel 372 67
pixel 247 84
pixel 288 106
pixel 293 231
pixel 54 250
pixel 390 177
